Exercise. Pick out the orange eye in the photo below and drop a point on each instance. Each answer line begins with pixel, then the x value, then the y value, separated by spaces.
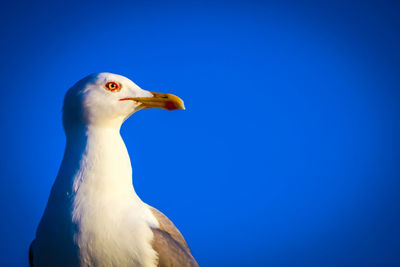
pixel 112 86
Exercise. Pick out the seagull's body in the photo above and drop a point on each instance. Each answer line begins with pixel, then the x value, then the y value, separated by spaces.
pixel 93 216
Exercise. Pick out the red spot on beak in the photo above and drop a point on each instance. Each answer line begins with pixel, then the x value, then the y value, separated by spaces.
pixel 169 105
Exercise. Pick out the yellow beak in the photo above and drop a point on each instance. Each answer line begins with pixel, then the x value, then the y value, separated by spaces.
pixel 159 100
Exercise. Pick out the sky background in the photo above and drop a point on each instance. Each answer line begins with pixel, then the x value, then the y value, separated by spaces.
pixel 287 154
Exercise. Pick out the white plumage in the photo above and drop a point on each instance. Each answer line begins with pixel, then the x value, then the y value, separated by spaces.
pixel 93 216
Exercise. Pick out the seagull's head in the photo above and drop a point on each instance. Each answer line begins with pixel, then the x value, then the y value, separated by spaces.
pixel 106 100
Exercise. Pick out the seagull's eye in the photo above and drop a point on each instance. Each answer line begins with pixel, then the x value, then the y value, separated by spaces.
pixel 112 86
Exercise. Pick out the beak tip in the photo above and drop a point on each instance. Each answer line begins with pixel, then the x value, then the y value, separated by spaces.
pixel 174 105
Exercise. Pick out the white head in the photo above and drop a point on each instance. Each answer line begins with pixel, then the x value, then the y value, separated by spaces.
pixel 106 100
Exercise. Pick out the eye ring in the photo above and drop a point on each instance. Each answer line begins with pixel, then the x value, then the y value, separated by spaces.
pixel 113 86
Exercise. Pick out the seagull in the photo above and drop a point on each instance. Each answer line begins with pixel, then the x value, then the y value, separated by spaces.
pixel 93 215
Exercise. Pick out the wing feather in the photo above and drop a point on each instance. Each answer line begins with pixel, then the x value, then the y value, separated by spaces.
pixel 169 243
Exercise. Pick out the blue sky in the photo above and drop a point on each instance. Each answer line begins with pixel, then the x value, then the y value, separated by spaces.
pixel 287 154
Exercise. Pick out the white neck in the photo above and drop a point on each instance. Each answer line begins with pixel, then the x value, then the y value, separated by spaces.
pixel 110 224
pixel 105 167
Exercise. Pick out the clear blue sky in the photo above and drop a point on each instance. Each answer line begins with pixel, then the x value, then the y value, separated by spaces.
pixel 288 152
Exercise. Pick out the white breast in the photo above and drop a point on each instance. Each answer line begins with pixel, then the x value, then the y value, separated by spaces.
pixel 111 234
pixel 94 217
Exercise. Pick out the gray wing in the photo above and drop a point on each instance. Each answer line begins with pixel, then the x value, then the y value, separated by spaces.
pixel 169 243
